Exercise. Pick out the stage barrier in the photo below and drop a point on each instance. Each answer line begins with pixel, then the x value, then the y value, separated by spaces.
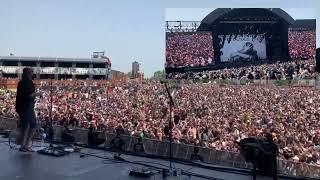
pixel 184 152
pixel 262 82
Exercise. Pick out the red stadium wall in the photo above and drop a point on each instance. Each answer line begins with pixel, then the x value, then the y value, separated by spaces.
pixel 8 84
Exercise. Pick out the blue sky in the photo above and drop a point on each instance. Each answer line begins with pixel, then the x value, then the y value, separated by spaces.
pixel 126 30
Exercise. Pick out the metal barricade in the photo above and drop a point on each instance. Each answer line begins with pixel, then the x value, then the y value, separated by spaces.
pixel 183 151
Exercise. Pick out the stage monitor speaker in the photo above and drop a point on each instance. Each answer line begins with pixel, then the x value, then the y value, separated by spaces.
pixel 318 60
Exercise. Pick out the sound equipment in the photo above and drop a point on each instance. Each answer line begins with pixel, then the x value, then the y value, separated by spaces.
pixel 142 173
pixel 262 153
pixel 57 151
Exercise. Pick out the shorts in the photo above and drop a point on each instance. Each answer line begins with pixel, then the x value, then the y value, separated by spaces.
pixel 28 119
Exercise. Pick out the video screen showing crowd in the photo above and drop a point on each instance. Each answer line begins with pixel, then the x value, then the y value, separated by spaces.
pixel 195 50
pixel 302 44
pixel 189 49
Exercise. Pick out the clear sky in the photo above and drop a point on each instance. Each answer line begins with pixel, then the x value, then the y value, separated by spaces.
pixel 127 30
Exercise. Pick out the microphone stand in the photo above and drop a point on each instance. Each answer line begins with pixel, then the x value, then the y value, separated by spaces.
pixel 171 105
pixel 50 111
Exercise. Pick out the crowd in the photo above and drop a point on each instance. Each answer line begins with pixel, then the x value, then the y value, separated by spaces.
pixel 302 44
pixel 303 69
pixel 196 49
pixel 209 115
pixel 189 49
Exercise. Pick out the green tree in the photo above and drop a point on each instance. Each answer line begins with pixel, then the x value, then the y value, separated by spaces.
pixel 159 75
pixel 130 74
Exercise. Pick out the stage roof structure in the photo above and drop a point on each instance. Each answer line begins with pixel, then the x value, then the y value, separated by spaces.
pixel 219 12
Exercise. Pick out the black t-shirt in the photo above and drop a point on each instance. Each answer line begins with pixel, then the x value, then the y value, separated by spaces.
pixel 24 101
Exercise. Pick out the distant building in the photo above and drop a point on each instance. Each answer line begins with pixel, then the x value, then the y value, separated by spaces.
pixel 135 69
pixel 97 67
pixel 118 76
pixel 140 76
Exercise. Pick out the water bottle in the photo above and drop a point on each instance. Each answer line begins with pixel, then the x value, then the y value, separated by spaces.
pixel 178 172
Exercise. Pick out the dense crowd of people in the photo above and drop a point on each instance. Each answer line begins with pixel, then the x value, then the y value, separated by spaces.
pixel 196 49
pixel 303 69
pixel 189 49
pixel 302 44
pixel 209 115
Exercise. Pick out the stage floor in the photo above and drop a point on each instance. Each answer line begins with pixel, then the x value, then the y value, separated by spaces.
pixel 33 166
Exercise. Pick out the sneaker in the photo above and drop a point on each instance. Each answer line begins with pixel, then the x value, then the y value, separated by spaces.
pixel 29 149
pixel 23 149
